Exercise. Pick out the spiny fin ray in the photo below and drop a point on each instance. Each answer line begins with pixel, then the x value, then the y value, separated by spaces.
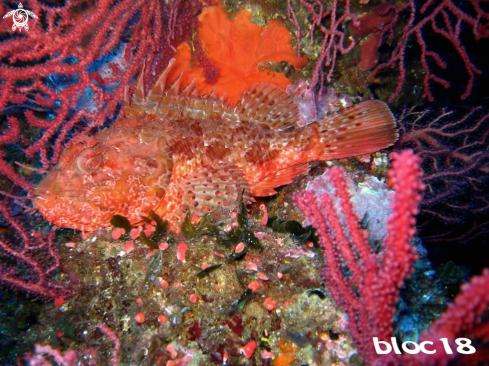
pixel 269 105
pixel 263 103
pixel 160 85
pixel 139 92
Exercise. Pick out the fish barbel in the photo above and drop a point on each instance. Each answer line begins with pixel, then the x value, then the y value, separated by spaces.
pixel 174 151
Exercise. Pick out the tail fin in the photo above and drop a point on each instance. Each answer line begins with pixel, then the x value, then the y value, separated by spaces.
pixel 361 129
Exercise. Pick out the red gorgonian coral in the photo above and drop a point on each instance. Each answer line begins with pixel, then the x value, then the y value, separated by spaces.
pixel 61 80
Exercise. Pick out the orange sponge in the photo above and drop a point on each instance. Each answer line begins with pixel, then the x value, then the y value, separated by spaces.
pixel 235 48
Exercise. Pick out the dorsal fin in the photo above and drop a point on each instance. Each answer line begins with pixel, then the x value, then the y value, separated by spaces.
pixel 190 89
pixel 139 92
pixel 211 95
pixel 174 89
pixel 263 103
pixel 174 100
pixel 222 98
pixel 160 85
pixel 267 104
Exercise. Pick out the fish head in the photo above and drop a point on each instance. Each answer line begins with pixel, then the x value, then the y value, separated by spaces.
pixel 119 171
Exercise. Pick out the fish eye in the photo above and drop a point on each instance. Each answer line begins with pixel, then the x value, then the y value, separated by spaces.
pixel 88 161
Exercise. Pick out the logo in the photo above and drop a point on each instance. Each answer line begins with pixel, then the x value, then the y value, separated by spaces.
pixel 464 346
pixel 20 17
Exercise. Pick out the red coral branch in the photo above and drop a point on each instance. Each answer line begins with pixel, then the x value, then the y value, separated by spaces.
pixel 64 77
pixel 61 45
pixel 446 19
pixel 333 38
pixel 32 263
pixel 368 290
pixel 367 294
pixel 454 150
pixel 462 319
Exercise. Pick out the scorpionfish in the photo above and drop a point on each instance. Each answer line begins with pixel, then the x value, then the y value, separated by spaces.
pixel 175 152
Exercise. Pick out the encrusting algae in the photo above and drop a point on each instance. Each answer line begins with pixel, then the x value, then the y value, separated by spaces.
pixel 174 150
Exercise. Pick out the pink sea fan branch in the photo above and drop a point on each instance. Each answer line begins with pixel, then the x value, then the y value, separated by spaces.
pixel 31 262
pixel 368 292
pixel 445 18
pixel 328 18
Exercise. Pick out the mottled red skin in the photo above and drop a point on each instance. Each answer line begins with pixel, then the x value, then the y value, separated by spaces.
pixel 120 170
pixel 174 152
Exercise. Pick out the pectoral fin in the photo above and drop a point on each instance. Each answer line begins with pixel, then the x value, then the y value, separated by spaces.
pixel 211 187
pixel 280 178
